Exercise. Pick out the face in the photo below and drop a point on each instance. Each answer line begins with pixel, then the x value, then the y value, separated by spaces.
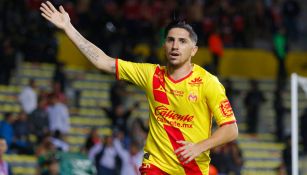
pixel 54 168
pixel 42 103
pixel 119 110
pixel 11 118
pixel 109 140
pixel 22 116
pixel 57 87
pixel 95 133
pixel 3 146
pixel 179 47
pixel 53 100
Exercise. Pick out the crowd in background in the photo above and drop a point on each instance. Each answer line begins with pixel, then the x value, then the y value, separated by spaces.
pixel 117 26
pixel 41 128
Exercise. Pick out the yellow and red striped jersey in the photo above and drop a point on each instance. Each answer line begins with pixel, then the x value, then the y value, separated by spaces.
pixel 178 110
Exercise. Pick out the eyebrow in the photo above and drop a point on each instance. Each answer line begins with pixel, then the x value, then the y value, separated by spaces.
pixel 170 37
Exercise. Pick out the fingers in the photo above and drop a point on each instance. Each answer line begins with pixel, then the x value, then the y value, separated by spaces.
pixel 182 142
pixel 45 9
pixel 182 153
pixel 51 6
pixel 185 146
pixel 179 150
pixel 62 9
pixel 185 153
pixel 45 16
pixel 188 160
pixel 186 156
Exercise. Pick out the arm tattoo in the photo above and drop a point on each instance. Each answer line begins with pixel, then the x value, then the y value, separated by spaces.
pixel 87 48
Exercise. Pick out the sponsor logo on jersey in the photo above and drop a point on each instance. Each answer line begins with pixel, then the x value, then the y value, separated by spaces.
pixel 171 114
pixel 196 81
pixel 226 109
pixel 177 92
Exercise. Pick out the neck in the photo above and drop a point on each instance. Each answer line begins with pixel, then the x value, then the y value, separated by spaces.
pixel 179 72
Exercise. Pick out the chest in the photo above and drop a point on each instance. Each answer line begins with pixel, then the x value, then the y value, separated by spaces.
pixel 109 152
pixel 188 91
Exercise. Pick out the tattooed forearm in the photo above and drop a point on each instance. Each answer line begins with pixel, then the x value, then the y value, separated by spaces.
pixel 87 48
pixel 93 53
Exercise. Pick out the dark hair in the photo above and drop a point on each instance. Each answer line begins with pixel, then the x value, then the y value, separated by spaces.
pixel 57 134
pixel 183 25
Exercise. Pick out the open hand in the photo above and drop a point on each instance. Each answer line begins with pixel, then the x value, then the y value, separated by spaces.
pixel 188 151
pixel 58 18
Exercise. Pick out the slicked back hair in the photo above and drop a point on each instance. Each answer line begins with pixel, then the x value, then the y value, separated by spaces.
pixel 182 25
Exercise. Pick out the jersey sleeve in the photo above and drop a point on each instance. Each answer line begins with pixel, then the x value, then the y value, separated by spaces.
pixel 136 73
pixel 218 102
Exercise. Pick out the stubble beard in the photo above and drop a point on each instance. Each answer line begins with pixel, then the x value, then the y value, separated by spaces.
pixel 176 64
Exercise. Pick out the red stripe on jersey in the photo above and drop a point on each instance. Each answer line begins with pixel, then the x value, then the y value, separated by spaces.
pixel 116 69
pixel 174 134
pixel 160 96
pixel 158 85
pixel 227 123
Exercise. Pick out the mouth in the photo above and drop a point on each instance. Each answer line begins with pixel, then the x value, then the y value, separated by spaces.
pixel 174 54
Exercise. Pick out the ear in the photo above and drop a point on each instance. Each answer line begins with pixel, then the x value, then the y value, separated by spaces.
pixel 194 50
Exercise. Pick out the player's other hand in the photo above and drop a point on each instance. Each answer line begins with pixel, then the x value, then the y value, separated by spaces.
pixel 188 151
pixel 58 18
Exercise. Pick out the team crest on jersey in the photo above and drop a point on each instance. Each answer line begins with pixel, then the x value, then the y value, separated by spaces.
pixel 196 81
pixel 226 109
pixel 192 97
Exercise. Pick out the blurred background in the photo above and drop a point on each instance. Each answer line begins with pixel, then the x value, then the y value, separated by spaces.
pixel 57 111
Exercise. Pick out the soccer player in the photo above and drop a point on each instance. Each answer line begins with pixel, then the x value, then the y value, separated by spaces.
pixel 183 99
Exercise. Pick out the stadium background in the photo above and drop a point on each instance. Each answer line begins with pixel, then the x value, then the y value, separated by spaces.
pixel 31 48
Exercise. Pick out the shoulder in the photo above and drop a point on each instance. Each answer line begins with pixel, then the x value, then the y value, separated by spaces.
pixel 127 63
pixel 125 66
pixel 61 105
pixel 97 147
pixel 205 75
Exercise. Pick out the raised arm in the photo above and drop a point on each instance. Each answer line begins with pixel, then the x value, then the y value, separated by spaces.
pixel 61 20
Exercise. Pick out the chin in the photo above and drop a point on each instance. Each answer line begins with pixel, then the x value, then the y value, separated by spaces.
pixel 173 64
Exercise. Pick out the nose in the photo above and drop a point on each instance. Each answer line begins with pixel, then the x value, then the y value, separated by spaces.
pixel 175 44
